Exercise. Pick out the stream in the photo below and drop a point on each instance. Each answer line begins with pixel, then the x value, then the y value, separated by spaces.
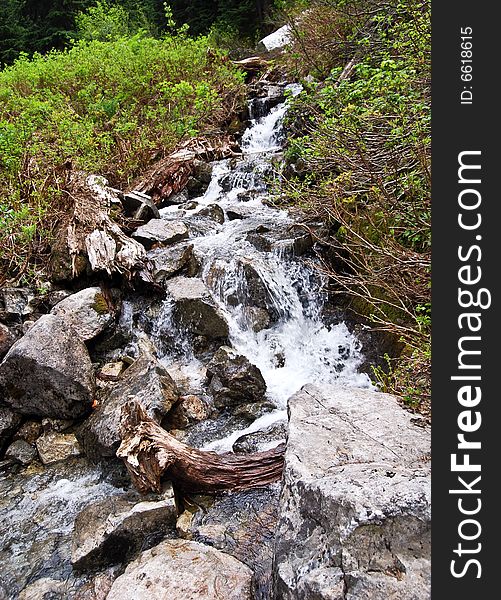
pixel 264 282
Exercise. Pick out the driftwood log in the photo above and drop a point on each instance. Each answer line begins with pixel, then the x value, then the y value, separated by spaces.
pixel 150 453
pixel 170 174
pixel 89 236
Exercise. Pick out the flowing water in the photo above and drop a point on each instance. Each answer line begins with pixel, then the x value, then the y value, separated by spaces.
pixel 299 347
pixel 249 260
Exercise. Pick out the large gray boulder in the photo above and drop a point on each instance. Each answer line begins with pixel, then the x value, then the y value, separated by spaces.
pixel 355 505
pixel 113 528
pixel 87 312
pixel 48 372
pixel 183 570
pixel 195 310
pixel 165 261
pixel 160 231
pixel 234 379
pixel 146 381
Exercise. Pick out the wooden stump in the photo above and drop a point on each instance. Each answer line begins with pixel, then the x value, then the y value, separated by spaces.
pixel 150 453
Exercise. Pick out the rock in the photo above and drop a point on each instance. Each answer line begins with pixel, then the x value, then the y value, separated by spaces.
pixel 195 308
pixel 355 505
pixel 259 318
pixel 240 212
pixel 190 205
pixel 189 410
pixel 183 570
pixel 233 379
pixel 263 439
pixel 202 171
pixel 6 340
pixel 44 588
pixel 140 206
pixel 9 422
pixel 111 371
pixel 110 530
pixel 256 291
pixel 213 212
pixel 61 379
pixel 186 379
pixel 241 524
pixel 87 312
pixel 179 198
pixel 160 231
pixel 53 447
pixel 29 431
pixel 21 452
pixel 163 263
pixel 98 587
pixel 16 303
pixel 148 382
pixel 57 425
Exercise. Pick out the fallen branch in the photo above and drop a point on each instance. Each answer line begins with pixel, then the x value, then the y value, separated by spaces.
pixel 151 453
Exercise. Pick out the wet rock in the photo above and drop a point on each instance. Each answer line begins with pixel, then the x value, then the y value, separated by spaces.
pixel 259 318
pixel 355 500
pixel 234 379
pixel 87 312
pixel 188 380
pixel 256 290
pixel 6 340
pixel 190 205
pixel 241 524
pixel 184 570
pixel 202 171
pixel 9 422
pixel 179 198
pixel 195 308
pixel 139 206
pixel 250 411
pixel 240 212
pixel 163 263
pixel 213 212
pixel 148 382
pixel 21 452
pixel 54 447
pixel 260 242
pixel 189 410
pixel 61 379
pixel 113 529
pixel 160 231
pixel 261 440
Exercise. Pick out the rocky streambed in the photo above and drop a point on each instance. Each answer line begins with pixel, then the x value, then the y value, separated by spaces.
pixel 224 325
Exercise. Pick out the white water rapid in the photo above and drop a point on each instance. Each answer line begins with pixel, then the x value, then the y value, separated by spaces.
pixel 298 347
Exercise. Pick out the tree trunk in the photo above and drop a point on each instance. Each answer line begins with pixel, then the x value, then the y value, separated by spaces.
pixel 150 453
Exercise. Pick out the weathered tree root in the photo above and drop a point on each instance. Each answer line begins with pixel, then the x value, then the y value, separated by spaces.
pixel 151 453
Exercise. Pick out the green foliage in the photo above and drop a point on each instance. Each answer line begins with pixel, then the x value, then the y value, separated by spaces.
pixel 103 22
pixel 106 107
pixel 363 142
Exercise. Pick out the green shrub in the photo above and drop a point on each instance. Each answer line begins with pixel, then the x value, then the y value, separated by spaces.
pixel 105 107
pixel 362 137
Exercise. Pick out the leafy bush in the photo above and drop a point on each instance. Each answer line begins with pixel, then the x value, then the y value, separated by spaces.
pixel 362 137
pixel 105 107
